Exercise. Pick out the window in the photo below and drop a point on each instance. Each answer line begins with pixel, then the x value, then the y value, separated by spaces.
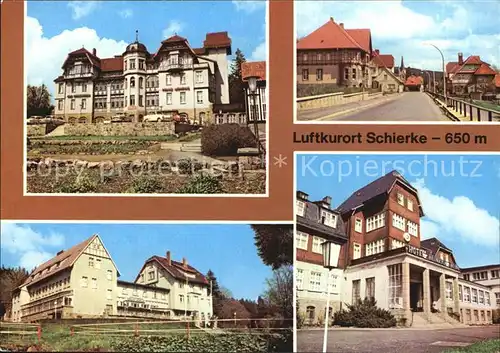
pixel 316 245
pixel 375 247
pixel 98 263
pixel 395 286
pixel 358 225
pixel 354 73
pixel 401 199
pixel 398 222
pixel 132 82
pixel 413 228
pixel 495 273
pixel 467 315
pixel 169 98
pixel 481 297
pixel 328 219
pixel 467 277
pixel 131 65
pixel 487 297
pixel 356 251
pixel 346 73
pixel 199 97
pixel 301 240
pixel 370 287
pixel 132 100
pixel 449 290
pixel 73 88
pixel 319 56
pixel 385 77
pixel 163 296
pixel 141 82
pixel 84 87
pixel 301 208
pixel 60 104
pixel 475 276
pixel 181 298
pixel 199 76
pixel 84 282
pixel 141 64
pixel 91 262
pixel 299 278
pixel 483 275
pixel 151 275
pixel 183 97
pixel 315 281
pixel 109 294
pixel 333 282
pixel 409 205
pixel 375 222
pixel 497 298
pixel 109 275
pixel 466 294
pixel 60 88
pixel 356 295
pixel 145 294
pixel 94 283
pixel 304 57
pixel 396 244
pixel 319 75
pixel 305 75
pixel 460 293
pixel 474 295
pixel 183 79
pixel 72 104
pixel 310 314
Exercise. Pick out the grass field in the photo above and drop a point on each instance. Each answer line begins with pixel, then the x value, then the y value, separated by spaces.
pixel 489 346
pixel 124 338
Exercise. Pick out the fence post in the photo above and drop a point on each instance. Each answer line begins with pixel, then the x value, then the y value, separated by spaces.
pixel 39 332
pixel 72 331
pixel 470 113
pixel 490 116
pixel 136 330
pixel 478 114
pixel 187 328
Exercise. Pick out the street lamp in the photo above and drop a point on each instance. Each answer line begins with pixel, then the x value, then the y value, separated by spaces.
pixel 252 85
pixel 331 252
pixel 444 72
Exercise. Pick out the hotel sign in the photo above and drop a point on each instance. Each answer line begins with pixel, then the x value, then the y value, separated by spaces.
pixel 417 251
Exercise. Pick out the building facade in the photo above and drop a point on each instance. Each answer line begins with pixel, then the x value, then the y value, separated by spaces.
pixel 384 258
pixel 316 222
pixel 177 80
pixel 335 55
pixel 488 276
pixel 82 282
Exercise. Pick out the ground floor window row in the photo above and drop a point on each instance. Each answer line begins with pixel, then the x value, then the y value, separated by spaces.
pixel 315 280
pixel 475 316
pixel 47 305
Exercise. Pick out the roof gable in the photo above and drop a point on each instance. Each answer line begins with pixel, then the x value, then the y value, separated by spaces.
pixel 177 270
pixel 383 60
pixel 112 64
pixel 363 37
pixel 329 36
pixel 485 69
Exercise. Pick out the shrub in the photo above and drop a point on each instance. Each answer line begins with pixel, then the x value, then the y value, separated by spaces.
pixel 300 317
pixel 225 139
pixel 202 184
pixel 146 184
pixel 496 316
pixel 364 313
pixel 188 166
pixel 81 184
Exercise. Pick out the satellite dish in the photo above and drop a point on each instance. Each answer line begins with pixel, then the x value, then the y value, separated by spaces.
pixel 407 237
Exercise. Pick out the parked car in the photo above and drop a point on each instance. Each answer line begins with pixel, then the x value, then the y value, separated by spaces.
pixel 118 118
pixel 155 117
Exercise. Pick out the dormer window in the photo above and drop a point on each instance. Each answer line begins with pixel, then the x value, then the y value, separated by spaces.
pixel 301 208
pixel 401 199
pixel 328 219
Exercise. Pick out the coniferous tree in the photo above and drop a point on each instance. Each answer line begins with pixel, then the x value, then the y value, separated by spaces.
pixel 236 84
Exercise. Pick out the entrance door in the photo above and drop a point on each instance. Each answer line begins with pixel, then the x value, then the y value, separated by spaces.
pixel 414 295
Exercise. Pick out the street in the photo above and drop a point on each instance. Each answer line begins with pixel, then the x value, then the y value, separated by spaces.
pixel 409 106
pixel 393 340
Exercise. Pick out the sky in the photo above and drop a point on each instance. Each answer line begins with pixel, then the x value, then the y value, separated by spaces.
pixel 227 249
pixel 460 194
pixel 55 28
pixel 401 28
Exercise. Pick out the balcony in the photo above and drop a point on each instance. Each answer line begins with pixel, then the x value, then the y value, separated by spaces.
pixel 78 75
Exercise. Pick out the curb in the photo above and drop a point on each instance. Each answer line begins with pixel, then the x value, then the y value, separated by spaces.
pixel 343 112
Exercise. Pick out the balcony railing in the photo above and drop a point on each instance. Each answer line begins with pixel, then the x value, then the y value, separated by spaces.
pixel 78 75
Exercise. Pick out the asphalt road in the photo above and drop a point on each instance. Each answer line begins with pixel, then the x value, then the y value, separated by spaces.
pixel 393 340
pixel 410 106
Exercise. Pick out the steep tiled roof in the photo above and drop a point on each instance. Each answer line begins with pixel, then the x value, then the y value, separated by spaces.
pixel 414 81
pixel 433 245
pixel 497 80
pixel 174 38
pixel 377 187
pixel 253 68
pixel 485 69
pixel 94 60
pixel 382 60
pixel 363 37
pixel 480 268
pixel 331 36
pixel 451 66
pixel 60 262
pixel 177 270
pixel 217 40
pixel 112 64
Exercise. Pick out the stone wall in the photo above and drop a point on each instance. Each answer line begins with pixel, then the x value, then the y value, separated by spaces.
pixel 331 99
pixel 35 130
pixel 120 129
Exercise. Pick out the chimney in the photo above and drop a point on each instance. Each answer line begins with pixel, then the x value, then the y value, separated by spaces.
pixel 327 201
pixel 331 19
pixel 460 58
pixel 59 252
pixel 94 52
pixel 341 25
pixel 184 262
pixel 377 51
pixel 169 261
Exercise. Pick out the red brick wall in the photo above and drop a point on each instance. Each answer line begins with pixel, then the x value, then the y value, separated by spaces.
pixel 395 207
pixel 308 255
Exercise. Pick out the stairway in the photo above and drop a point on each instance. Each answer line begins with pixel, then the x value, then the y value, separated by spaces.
pixel 435 320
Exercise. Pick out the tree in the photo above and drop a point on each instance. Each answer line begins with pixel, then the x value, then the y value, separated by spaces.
pixel 274 243
pixel 279 293
pixel 219 294
pixel 236 84
pixel 10 279
pixel 38 100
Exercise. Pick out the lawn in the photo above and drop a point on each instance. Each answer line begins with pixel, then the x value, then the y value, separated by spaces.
pixel 488 105
pixel 489 346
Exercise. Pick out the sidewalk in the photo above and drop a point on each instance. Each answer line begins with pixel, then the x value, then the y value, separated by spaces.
pixel 341 109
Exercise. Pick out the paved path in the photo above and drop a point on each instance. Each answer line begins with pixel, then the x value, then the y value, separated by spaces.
pixel 393 340
pixel 409 106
